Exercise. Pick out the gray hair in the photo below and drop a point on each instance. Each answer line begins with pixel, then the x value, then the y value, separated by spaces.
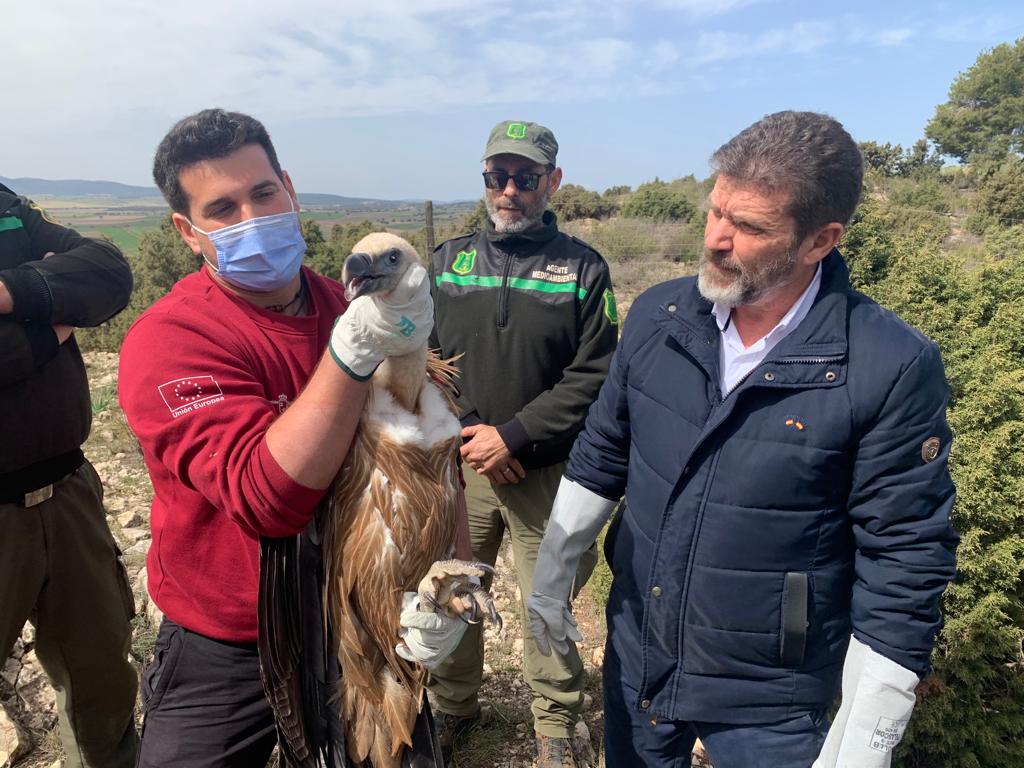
pixel 807 154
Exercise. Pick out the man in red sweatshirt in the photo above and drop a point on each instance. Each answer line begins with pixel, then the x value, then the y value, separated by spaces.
pixel 243 420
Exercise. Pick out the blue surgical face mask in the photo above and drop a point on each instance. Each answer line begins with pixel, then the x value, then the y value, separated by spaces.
pixel 262 254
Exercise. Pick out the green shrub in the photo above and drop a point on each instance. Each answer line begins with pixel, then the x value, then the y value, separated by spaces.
pixel 923 196
pixel 656 200
pixel 572 202
pixel 970 713
pixel 1001 195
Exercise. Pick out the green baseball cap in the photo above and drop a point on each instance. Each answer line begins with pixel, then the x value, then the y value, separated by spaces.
pixel 515 137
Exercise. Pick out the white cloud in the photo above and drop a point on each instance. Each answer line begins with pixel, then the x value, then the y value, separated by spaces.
pixel 801 37
pixel 319 58
pixel 707 7
pixel 322 58
pixel 124 70
pixel 894 36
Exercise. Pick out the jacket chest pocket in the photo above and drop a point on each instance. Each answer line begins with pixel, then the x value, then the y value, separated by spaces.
pixel 789 451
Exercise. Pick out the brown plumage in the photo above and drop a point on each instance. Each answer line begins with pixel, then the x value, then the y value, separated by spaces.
pixel 393 512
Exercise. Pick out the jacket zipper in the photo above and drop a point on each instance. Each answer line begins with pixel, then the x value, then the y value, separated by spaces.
pixel 785 361
pixel 677 491
pixel 807 360
pixel 503 295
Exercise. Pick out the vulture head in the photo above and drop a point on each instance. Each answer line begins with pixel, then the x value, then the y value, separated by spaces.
pixel 379 264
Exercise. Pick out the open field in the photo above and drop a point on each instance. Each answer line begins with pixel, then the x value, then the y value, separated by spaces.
pixel 125 221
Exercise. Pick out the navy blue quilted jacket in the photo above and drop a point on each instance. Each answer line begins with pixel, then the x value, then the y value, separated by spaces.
pixel 760 529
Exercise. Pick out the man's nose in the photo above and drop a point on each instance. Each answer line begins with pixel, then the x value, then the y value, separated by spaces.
pixel 247 211
pixel 510 190
pixel 718 234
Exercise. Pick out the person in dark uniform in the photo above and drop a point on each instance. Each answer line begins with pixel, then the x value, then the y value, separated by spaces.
pixel 533 307
pixel 59 564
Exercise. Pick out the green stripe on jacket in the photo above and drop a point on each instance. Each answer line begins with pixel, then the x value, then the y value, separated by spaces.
pixel 10 222
pixel 519 283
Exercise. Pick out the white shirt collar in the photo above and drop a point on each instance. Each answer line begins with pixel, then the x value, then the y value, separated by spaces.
pixel 796 313
pixel 735 359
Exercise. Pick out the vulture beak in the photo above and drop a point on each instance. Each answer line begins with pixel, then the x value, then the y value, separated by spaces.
pixel 357 274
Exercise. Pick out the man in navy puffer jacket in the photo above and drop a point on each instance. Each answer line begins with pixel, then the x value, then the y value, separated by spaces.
pixel 781 443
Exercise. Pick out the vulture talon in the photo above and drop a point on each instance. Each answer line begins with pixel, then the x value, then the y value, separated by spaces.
pixel 429 598
pixel 494 616
pixel 488 569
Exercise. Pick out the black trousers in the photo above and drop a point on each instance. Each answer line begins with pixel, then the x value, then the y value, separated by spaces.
pixel 204 704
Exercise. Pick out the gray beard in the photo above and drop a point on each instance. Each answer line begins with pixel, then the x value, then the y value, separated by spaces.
pixel 749 285
pixel 532 216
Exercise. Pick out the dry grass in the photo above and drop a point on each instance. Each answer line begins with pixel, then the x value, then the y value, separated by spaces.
pixel 622 239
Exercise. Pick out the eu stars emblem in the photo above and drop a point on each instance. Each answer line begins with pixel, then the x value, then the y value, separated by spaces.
pixel 463 263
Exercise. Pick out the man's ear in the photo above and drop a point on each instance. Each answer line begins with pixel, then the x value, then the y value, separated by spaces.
pixel 290 187
pixel 822 242
pixel 187 233
pixel 554 181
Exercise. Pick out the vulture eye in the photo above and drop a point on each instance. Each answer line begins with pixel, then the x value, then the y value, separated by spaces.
pixel 393 257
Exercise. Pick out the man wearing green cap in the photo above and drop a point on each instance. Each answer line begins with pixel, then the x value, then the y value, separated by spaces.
pixel 532 312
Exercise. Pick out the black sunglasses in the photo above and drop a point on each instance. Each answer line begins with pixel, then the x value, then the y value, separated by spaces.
pixel 525 182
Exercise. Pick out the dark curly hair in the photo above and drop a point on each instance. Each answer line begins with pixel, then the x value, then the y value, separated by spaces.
pixel 809 155
pixel 206 135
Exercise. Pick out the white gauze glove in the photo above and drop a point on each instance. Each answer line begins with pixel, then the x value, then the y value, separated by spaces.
pixel 878 698
pixel 392 324
pixel 577 517
pixel 427 637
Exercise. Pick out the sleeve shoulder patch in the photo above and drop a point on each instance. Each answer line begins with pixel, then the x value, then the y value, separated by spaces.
pixel 611 311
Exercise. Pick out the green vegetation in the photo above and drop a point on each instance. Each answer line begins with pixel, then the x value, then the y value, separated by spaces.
pixel 128 236
pixel 572 202
pixel 103 398
pixel 985 111
pixel 657 200
pixel 892 160
pixel 1001 195
pixel 907 249
pixel 969 298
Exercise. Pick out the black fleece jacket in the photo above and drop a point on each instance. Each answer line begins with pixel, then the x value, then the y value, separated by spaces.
pixel 534 317
pixel 44 395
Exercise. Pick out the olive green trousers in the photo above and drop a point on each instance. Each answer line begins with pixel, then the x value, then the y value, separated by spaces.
pixel 60 569
pixel 557 681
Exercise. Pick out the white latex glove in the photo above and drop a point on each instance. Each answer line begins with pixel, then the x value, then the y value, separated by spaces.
pixel 878 698
pixel 427 637
pixel 577 517
pixel 388 325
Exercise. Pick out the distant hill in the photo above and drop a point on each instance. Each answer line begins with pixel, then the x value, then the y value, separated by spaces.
pixel 78 188
pixel 321 200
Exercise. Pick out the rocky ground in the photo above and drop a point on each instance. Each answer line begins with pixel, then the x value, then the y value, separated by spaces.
pixel 27 716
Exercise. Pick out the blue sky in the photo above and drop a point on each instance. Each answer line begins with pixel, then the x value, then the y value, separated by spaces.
pixel 394 99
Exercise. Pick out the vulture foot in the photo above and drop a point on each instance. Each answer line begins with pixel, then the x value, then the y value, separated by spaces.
pixel 453 586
